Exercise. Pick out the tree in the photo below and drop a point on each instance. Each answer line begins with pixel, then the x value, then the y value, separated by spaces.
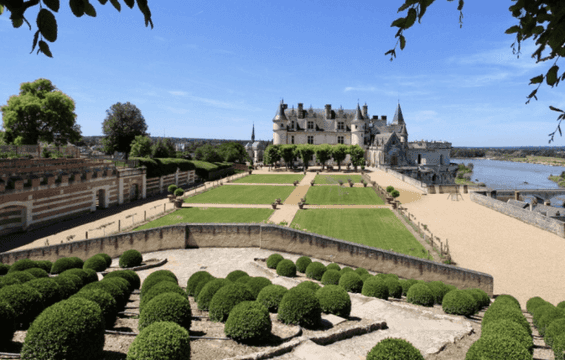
pixel 207 153
pixel 305 152
pixel 46 22
pixel 541 20
pixel 122 124
pixel 232 152
pixel 357 155
pixel 272 154
pixel 163 149
pixel 339 152
pixel 40 112
pixel 141 146
pixel 288 154
pixel 323 153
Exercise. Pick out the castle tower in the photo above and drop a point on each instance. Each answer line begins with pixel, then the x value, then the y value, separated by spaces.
pixel 398 118
pixel 357 129
pixel 404 135
pixel 280 122
pixel 253 134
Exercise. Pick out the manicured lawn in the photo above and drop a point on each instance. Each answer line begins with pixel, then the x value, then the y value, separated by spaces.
pixel 270 179
pixel 378 228
pixel 333 179
pixel 242 194
pixel 210 215
pixel 342 195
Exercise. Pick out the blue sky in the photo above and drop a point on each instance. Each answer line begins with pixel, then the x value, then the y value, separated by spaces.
pixel 210 69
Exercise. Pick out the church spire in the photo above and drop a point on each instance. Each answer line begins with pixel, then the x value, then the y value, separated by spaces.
pixel 398 118
pixel 253 134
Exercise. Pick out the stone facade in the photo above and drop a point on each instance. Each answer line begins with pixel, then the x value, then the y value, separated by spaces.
pixel 386 144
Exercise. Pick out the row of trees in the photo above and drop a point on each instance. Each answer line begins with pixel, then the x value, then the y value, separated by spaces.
pixel 290 153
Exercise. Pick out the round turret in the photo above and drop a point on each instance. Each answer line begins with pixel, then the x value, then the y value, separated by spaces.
pixel 280 123
pixel 357 128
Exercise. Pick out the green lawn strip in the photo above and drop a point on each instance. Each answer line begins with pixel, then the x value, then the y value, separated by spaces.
pixel 334 179
pixel 342 195
pixel 242 194
pixel 378 228
pixel 270 179
pixel 210 215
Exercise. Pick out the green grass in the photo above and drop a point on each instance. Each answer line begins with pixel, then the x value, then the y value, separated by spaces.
pixel 270 179
pixel 242 194
pixel 333 179
pixel 210 215
pixel 342 195
pixel 378 228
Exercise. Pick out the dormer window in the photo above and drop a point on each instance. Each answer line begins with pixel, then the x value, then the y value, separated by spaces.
pixel 310 125
pixel 341 125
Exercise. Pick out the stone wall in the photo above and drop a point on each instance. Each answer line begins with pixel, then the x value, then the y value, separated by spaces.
pixel 530 217
pixel 269 237
pixel 407 179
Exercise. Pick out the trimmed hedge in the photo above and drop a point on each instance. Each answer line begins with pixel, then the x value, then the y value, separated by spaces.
pixel 534 302
pixel 129 275
pixel 202 284
pixel 302 263
pixel 508 298
pixel 45 265
pixel 69 285
pixel 67 263
pixel 162 167
pixel 166 307
pixel 286 268
pixel 561 305
pixel 273 260
pixel 333 266
pixel 256 284
pixel 243 279
pixel 511 329
pixel 438 289
pixel 26 302
pixel 300 307
pixel 331 277
pixel 112 289
pixel 406 284
pixel 91 276
pixel 392 349
pixel 497 347
pixel 23 264
pixel 375 287
pixel 236 274
pixel 420 294
pixel 226 299
pixel 97 263
pixel 7 317
pixel 5 281
pixel 345 269
pixel 547 317
pixel 506 313
pixel 483 299
pixel 70 329
pixel 123 287
pixel 4 269
pixel 361 271
pixel 208 292
pixel 194 280
pixel 107 258
pixel 334 300
pixel 558 347
pixel 149 282
pixel 315 270
pixel 459 302
pixel 107 304
pixel 555 328
pixel 161 288
pixel 394 288
pixel 21 276
pixel 271 296
pixel 49 289
pixel 351 282
pixel 84 278
pixel 130 258
pixel 249 321
pixel 309 285
pixel 161 341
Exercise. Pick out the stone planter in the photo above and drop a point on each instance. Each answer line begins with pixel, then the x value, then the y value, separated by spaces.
pixel 171 198
pixel 394 204
pixel 274 205
pixel 278 201
pixel 312 183
pixel 365 184
pixel 350 184
pixel 300 205
pixel 250 172
pixel 178 203
pixel 296 183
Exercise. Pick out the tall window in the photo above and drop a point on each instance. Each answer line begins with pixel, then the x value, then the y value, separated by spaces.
pixel 419 158
pixel 340 140
pixel 310 125
pixel 341 125
pixel 310 140
pixel 292 125
pixel 441 159
pixel 292 139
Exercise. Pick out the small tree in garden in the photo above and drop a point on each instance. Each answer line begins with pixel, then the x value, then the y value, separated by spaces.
pixel 395 193
pixel 163 148
pixel 288 154
pixel 141 147
pixel 179 192
pixel 272 154
pixel 389 188
pixel 323 153
pixel 339 152
pixel 305 152
pixel 172 189
pixel 357 154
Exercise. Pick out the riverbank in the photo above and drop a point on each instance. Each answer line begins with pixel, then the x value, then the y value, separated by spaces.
pixel 540 160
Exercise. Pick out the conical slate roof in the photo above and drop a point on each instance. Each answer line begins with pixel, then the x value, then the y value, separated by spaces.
pixel 403 131
pixel 280 116
pixel 398 118
pixel 358 114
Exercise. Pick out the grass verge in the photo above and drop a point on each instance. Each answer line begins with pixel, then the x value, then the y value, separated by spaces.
pixel 334 179
pixel 252 194
pixel 338 195
pixel 270 179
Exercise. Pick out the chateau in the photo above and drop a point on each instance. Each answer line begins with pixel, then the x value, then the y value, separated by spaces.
pixel 386 144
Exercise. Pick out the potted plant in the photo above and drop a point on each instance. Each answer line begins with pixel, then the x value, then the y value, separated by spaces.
pixel 171 190
pixel 274 205
pixel 250 169
pixel 300 205
pixel 351 184
pixel 278 201
pixel 312 182
pixel 364 183
pixel 374 183
pixel 302 200
pixel 296 183
pixel 340 182
pixel 178 198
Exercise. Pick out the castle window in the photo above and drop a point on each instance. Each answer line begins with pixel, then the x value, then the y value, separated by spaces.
pixel 310 125
pixel 341 125
pixel 340 140
pixel 419 159
pixel 310 140
pixel 292 125
pixel 292 139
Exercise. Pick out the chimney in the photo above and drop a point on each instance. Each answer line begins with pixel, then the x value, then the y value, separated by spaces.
pixel 328 111
pixel 300 110
pixel 365 110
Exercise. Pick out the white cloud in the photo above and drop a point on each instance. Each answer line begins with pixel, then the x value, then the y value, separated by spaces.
pixel 176 110
pixel 178 93
pixel 500 56
pixel 359 88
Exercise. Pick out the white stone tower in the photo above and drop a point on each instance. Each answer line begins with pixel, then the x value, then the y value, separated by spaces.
pixel 280 123
pixel 358 128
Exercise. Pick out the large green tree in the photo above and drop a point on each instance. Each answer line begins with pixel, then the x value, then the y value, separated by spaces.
pixel 542 21
pixel 207 153
pixel 141 146
pixel 122 124
pixel 40 112
pixel 232 152
pixel 305 152
pixel 46 22
pixel 272 154
pixel 339 152
pixel 163 149
pixel 288 153
pixel 323 153
pixel 357 155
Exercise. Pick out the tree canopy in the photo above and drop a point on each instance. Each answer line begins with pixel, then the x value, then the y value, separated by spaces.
pixel 141 146
pixel 207 153
pixel 232 152
pixel 122 124
pixel 40 112
pixel 46 22
pixel 541 20
pixel 163 148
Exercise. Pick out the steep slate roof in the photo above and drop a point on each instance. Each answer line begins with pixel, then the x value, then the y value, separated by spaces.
pixel 398 118
pixel 321 113
pixel 280 116
pixel 358 114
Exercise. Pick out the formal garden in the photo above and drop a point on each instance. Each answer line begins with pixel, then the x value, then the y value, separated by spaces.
pixel 335 179
pixel 252 194
pixel 270 179
pixel 341 195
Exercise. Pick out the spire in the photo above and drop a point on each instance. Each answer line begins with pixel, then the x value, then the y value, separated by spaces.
pixel 403 130
pixel 358 114
pixel 280 116
pixel 253 133
pixel 398 118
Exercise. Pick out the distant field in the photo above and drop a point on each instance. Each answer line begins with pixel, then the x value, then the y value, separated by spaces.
pixel 210 215
pixel 378 228
pixel 342 195
pixel 270 179
pixel 333 179
pixel 242 194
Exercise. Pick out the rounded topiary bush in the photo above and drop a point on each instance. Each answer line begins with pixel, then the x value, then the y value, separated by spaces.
pixel 542 309
pixel 48 288
pixel 37 273
pixel 226 298
pixel 112 289
pixel 351 282
pixel 249 321
pixel 558 347
pixel 129 275
pixel 420 294
pixel 547 317
pixel 62 264
pixel 510 329
pixel 26 302
pixel 334 300
pixel 508 298
pixel 302 263
pixel 495 346
pixel 179 192
pixel 96 263
pixel 202 284
pixel 345 269
pixel 21 276
pixel 70 329
pixel 315 270
pixel 4 269
pixel 375 287
pixel 271 296
pixel 123 287
pixel 333 266
pixel 309 285
pixel 5 281
pixel 273 260
pixel 172 188
pixel 300 307
pixel 482 298
pixel 438 289
pixel 395 193
pixel 534 302
pixel 78 272
pixel 162 340
pixel 389 188
pixel 69 285
pixel 286 268
pixel 130 258
pixel 236 274
pixel 387 276
pixel 161 288
pixel 166 307
pixel 392 349
pixel 331 277
pixel 7 317
pixel 561 305
pixel 208 292
pixel 91 276
pixel 107 303
pixel 256 284
pixel 394 288
pixel 194 280
pixel 459 302
pixel 107 258
pixel 506 313
pixel 555 328
pixel 479 300
pixel 406 284
pixel 23 264
pixel 148 283
pixel 243 279
pixel 365 277
pixel 45 265
pixel 76 262
pixel 361 271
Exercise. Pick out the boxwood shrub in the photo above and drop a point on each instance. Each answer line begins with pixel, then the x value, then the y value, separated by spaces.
pixel 300 307
pixel 345 269
pixel 270 296
pixel 552 330
pixel 387 276
pixel 545 318
pixel 459 302
pixel 63 264
pixel 166 307
pixel 194 280
pixel 21 276
pixel 150 282
pixel 273 260
pixel 44 264
pixel 112 289
pixel 558 347
pixel 248 322
pixel 365 276
pixel 91 276
pixel 129 275
pixel 477 296
pixel 507 298
pixel 542 309
pixel 506 313
pixel 243 279
pixel 226 298
pixel 26 302
pixel 37 273
pixel 394 288
pixel 351 282
pixel 84 278
pixel 482 298
pixel 69 285
pixel 107 258
pixel 561 305
pixel 236 274
pixel 7 317
pixel 130 258
pixel 333 266
pixel 6 280
pixel 107 304
pixel 438 289
pixel 171 189
pixel 361 271
pixel 511 329
pixel 534 302
pixel 123 287
pixel 23 264
pixel 96 263
pixel 334 300
pixel 406 284
pixel 331 277
pixel 208 292
pixel 302 263
pixel 4 269
pixel 420 294
pixel 256 284
pixel 315 270
pixel 375 287
pixel 309 285
pixel 162 340
pixel 286 268
pixel 497 346
pixel 390 348
pixel 70 329
pixel 161 288
pixel 48 288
